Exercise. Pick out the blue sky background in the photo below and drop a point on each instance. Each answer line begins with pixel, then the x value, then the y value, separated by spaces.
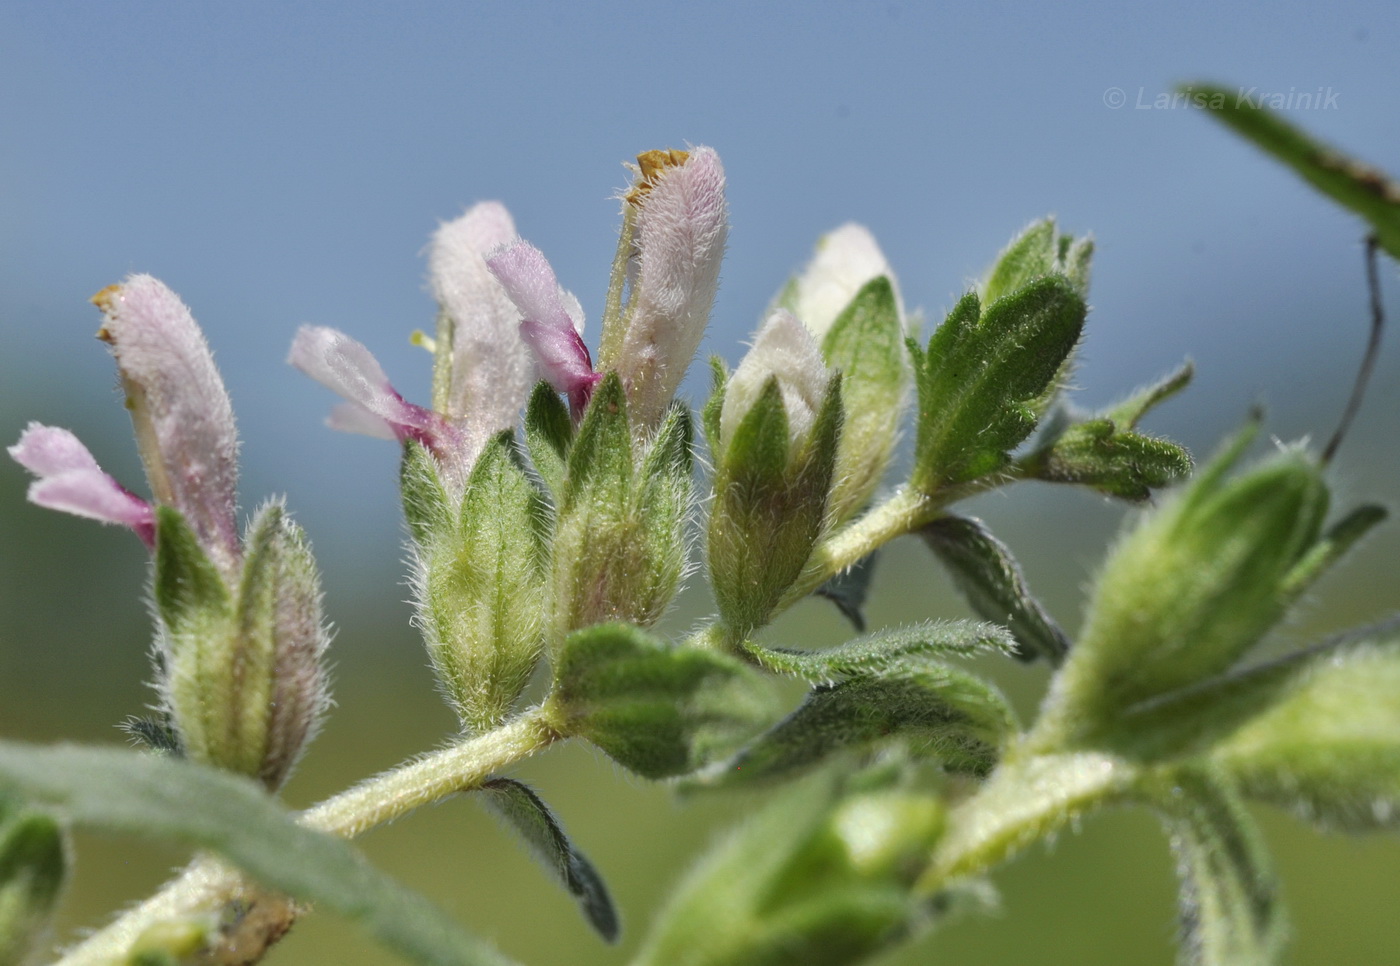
pixel 283 163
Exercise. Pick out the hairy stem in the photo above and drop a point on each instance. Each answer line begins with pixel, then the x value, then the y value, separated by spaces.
pixel 251 919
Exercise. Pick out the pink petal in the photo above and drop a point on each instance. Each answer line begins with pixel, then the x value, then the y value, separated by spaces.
pixel 552 319
pixel 348 369
pixel 179 407
pixel 70 480
pixel 47 450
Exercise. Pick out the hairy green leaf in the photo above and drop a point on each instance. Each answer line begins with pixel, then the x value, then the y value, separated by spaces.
pixel 985 379
pixel 940 712
pixel 886 650
pixel 130 793
pixel 425 504
pixel 656 709
pixel 1363 189
pixel 989 577
pixel 1230 915
pixel 518 805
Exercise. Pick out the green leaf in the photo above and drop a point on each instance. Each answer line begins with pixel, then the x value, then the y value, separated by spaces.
pixel 656 709
pixel 886 650
pixel 866 344
pixel 709 416
pixel 1334 545
pixel 1103 452
pixel 33 866
pixel 986 379
pixel 1359 187
pixel 549 433
pixel 944 713
pixel 1230 914
pixel 1127 414
pixel 1031 255
pixel 849 589
pixel 177 801
pixel 1097 454
pixel 517 804
pixel 602 452
pixel 1316 732
pixel 990 578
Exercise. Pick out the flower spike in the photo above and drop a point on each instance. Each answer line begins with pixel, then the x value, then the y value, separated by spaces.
pixel 69 480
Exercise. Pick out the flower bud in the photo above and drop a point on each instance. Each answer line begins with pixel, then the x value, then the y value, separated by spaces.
pixel 33 865
pixel 682 222
pixel 779 426
pixel 1196 583
pixel 179 408
pixel 846 260
pixel 552 320
pixel 819 876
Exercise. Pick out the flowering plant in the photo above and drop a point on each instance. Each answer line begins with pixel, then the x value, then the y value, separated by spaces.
pixel 553 507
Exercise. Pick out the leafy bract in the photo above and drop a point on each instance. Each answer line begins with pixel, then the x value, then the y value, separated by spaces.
pixel 940 712
pixel 1230 915
pixel 178 801
pixel 989 577
pixel 518 805
pixel 656 709
pixel 886 650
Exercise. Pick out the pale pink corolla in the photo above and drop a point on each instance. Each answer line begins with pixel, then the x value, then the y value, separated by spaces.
pixel 69 479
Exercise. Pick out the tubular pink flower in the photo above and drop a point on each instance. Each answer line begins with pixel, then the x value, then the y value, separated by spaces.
pixel 179 408
pixel 551 320
pixel 681 231
pixel 490 369
pixel 348 369
pixel 69 480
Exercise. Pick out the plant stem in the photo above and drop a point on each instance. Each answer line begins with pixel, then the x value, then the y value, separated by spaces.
pixel 1029 797
pixel 207 887
pixel 906 510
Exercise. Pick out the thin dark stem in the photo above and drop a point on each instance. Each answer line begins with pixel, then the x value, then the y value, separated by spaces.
pixel 1368 361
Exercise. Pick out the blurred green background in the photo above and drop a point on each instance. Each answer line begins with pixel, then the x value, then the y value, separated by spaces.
pixel 284 163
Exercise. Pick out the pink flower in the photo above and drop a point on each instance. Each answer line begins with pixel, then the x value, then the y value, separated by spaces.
pixel 551 320
pixel 69 479
pixel 372 406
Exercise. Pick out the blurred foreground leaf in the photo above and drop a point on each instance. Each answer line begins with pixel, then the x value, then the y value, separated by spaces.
pixel 126 792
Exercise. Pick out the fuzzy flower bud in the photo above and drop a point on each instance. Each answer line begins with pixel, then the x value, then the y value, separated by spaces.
pixel 179 408
pixel 845 260
pixel 682 223
pixel 783 350
pixel 779 427
pixel 484 370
